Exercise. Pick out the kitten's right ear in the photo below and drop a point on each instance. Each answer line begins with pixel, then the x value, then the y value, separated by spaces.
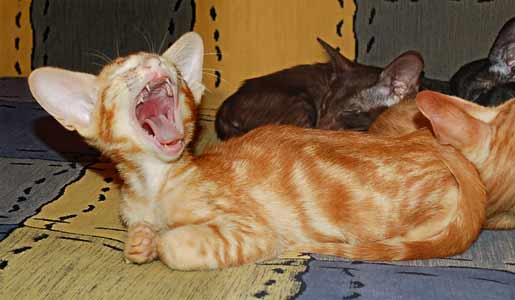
pixel 402 74
pixel 338 61
pixel 68 96
pixel 187 53
pixel 452 119
pixel 502 54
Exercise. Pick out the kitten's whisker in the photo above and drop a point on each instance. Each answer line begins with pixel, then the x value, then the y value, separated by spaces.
pixel 205 87
pixel 217 77
pixel 107 57
pixel 162 42
pixel 103 57
pixel 147 39
pixel 209 69
pixel 99 54
pixel 117 48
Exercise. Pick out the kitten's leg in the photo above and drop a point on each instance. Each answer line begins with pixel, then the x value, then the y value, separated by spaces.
pixel 504 220
pixel 214 245
pixel 141 244
pixel 137 213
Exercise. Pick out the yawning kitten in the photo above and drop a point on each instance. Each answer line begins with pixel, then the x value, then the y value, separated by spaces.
pixel 337 95
pixel 484 135
pixel 277 188
pixel 490 81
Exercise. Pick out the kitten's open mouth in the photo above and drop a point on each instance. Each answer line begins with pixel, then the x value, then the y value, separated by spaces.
pixel 157 112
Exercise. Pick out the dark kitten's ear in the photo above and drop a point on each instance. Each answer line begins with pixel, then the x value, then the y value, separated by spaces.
pixel 402 74
pixel 339 62
pixel 502 54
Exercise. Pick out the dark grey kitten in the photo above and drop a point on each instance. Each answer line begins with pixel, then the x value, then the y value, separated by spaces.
pixel 336 95
pixel 489 81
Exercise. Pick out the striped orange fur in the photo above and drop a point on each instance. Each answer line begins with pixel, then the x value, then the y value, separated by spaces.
pixel 483 134
pixel 275 189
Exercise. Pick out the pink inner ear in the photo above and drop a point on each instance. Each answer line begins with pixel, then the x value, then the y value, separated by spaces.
pixel 450 123
pixel 427 102
pixel 406 66
pixel 68 96
pixel 402 74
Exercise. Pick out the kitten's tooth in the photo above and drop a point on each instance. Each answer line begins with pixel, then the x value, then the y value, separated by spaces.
pixel 169 89
pixel 147 88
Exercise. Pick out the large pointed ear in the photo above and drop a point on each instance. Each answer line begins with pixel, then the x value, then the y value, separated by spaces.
pixel 452 120
pixel 68 96
pixel 402 74
pixel 187 53
pixel 502 54
pixel 339 62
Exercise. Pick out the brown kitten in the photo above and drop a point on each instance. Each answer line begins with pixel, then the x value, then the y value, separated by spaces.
pixel 483 134
pixel 337 95
pixel 275 189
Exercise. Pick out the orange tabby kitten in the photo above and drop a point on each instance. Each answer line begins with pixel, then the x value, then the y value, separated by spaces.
pixel 277 188
pixel 483 134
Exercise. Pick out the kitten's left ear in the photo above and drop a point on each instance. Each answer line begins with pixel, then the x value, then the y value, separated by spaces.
pixel 502 54
pixel 452 119
pixel 402 74
pixel 187 53
pixel 68 96
pixel 338 61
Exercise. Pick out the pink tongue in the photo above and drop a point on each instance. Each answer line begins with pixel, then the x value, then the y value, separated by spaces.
pixel 163 129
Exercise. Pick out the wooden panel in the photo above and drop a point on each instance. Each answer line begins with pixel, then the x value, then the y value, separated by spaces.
pixel 73 34
pixel 448 33
pixel 15 38
pixel 251 38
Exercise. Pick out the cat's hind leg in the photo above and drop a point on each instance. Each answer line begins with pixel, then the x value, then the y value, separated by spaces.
pixel 141 245
pixel 213 246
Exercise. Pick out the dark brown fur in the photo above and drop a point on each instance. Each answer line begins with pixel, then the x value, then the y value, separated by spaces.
pixel 336 95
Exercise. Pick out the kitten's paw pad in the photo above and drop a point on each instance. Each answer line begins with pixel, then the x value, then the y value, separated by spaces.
pixel 141 246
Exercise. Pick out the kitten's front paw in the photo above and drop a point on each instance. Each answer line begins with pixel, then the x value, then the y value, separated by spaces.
pixel 141 246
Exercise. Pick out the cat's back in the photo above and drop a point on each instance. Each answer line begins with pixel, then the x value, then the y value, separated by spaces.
pixel 352 176
pixel 288 96
pixel 271 143
pixel 287 80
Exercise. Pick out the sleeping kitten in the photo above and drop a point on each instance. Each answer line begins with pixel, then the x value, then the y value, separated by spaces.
pixel 483 134
pixel 489 81
pixel 336 95
pixel 275 189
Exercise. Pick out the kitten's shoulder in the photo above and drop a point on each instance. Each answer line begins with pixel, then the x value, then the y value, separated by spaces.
pixel 400 119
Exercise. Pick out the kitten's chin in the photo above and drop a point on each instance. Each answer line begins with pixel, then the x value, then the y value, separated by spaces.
pixel 158 118
pixel 171 152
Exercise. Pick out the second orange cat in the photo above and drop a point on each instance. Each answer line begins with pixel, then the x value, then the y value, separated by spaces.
pixel 484 135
